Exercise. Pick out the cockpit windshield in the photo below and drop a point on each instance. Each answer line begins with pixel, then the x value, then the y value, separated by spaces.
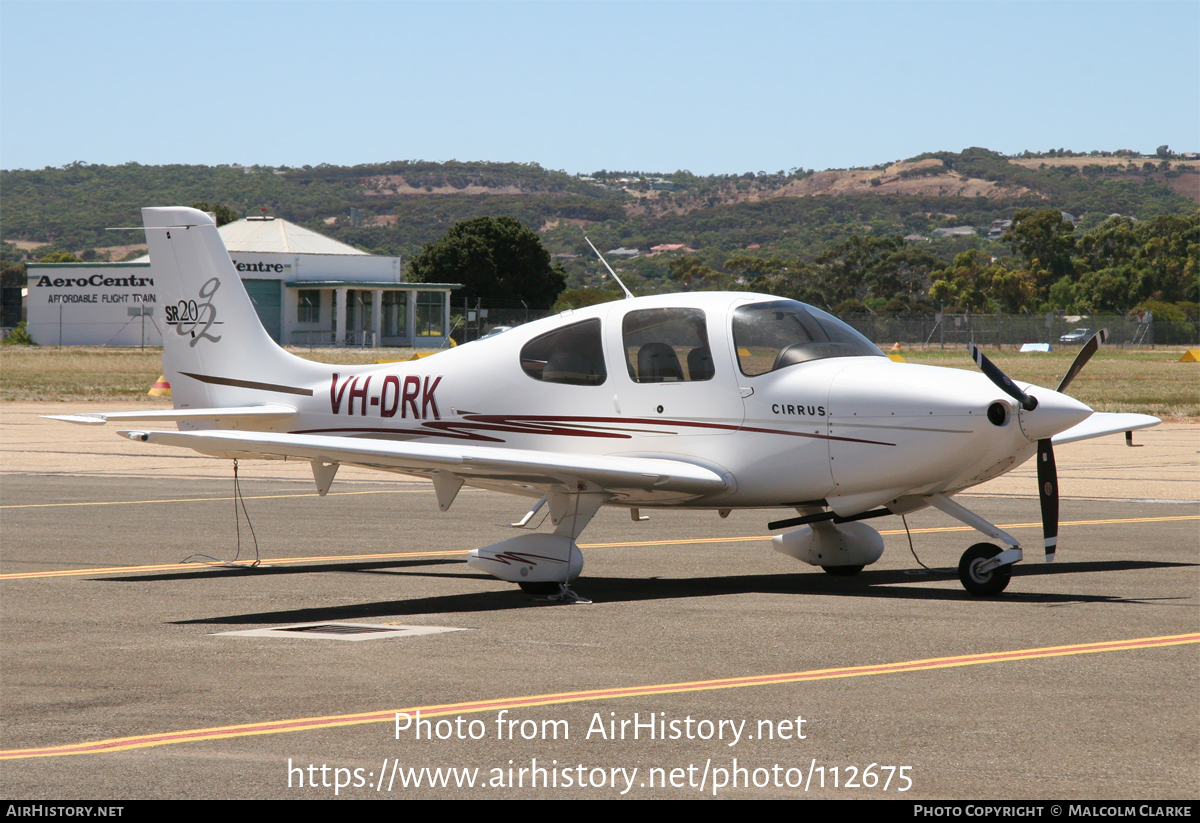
pixel 781 333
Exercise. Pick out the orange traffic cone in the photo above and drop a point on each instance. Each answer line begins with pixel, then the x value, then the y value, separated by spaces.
pixel 161 387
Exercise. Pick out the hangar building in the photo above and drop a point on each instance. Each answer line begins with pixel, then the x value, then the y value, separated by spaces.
pixel 309 290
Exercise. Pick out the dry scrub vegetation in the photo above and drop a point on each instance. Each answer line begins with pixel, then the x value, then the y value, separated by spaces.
pixel 96 373
pixel 1147 382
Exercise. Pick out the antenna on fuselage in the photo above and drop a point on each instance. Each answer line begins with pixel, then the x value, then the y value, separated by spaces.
pixel 628 293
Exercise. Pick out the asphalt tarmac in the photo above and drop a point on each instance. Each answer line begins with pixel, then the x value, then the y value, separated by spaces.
pixel 767 678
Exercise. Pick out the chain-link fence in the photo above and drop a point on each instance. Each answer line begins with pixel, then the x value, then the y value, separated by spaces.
pixel 951 330
pixel 471 322
pixel 1016 329
pixel 475 321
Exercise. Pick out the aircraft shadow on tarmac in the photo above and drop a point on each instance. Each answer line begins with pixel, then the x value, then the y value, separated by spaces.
pixel 883 583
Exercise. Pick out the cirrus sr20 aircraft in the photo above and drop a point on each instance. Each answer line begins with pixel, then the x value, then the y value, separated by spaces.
pixel 708 401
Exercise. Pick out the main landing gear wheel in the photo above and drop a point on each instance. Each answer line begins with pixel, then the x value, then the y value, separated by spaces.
pixel 987 583
pixel 842 571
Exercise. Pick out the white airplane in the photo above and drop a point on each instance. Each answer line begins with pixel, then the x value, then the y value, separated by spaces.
pixel 714 401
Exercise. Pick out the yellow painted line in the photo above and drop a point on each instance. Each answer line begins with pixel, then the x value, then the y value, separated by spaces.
pixel 279 561
pixel 205 499
pixel 439 710
pixel 355 558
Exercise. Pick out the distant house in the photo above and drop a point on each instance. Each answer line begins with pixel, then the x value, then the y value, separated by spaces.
pixel 663 248
pixel 998 228
pixel 623 252
pixel 957 231
pixel 307 289
pixel 916 238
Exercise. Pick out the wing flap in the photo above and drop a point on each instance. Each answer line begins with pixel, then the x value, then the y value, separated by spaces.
pixel 267 413
pixel 1102 423
pixel 468 462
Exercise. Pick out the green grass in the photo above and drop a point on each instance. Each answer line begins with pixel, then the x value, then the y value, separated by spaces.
pixel 1150 382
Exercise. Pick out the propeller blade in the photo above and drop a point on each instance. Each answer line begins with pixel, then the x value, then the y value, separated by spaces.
pixel 1085 354
pixel 1001 379
pixel 1047 476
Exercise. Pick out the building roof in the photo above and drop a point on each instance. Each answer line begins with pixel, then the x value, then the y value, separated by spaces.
pixel 957 231
pixel 273 235
pixel 384 285
pixel 280 236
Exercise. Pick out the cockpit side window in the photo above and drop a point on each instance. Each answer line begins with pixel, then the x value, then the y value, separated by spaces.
pixel 782 333
pixel 572 354
pixel 667 346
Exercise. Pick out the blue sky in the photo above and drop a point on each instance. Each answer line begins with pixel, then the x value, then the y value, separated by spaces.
pixel 580 86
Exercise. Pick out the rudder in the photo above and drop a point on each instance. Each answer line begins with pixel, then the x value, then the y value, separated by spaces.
pixel 213 341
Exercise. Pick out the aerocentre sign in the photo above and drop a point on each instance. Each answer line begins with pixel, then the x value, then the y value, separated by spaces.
pixel 94 280
pixel 75 304
pixel 261 267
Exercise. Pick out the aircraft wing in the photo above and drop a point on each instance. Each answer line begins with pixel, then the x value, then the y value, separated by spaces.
pixel 521 471
pixel 1102 423
pixel 261 414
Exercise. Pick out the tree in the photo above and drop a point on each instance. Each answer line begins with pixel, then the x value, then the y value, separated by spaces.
pixel 13 276
pixel 224 213
pixel 579 298
pixel 1046 240
pixel 691 273
pixel 497 260
pixel 976 284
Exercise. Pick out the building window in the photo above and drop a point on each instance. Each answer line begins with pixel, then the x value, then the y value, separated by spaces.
pixel 395 314
pixel 431 306
pixel 309 308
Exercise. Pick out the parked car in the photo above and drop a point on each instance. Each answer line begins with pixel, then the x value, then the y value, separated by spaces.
pixel 1076 336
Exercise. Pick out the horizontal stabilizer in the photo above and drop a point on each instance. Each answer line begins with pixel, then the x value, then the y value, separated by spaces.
pixel 1102 423
pixel 263 414
pixel 527 467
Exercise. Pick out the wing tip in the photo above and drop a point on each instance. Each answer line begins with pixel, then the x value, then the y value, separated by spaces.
pixel 86 419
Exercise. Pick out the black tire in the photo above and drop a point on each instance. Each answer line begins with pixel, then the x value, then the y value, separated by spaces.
pixel 983 585
pixel 540 588
pixel 842 571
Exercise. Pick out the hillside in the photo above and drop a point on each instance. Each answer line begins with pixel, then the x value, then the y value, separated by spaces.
pixel 404 205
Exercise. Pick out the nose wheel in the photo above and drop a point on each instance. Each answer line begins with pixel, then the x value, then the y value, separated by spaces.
pixel 975 574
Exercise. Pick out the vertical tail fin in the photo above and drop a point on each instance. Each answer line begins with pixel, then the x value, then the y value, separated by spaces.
pixel 215 350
